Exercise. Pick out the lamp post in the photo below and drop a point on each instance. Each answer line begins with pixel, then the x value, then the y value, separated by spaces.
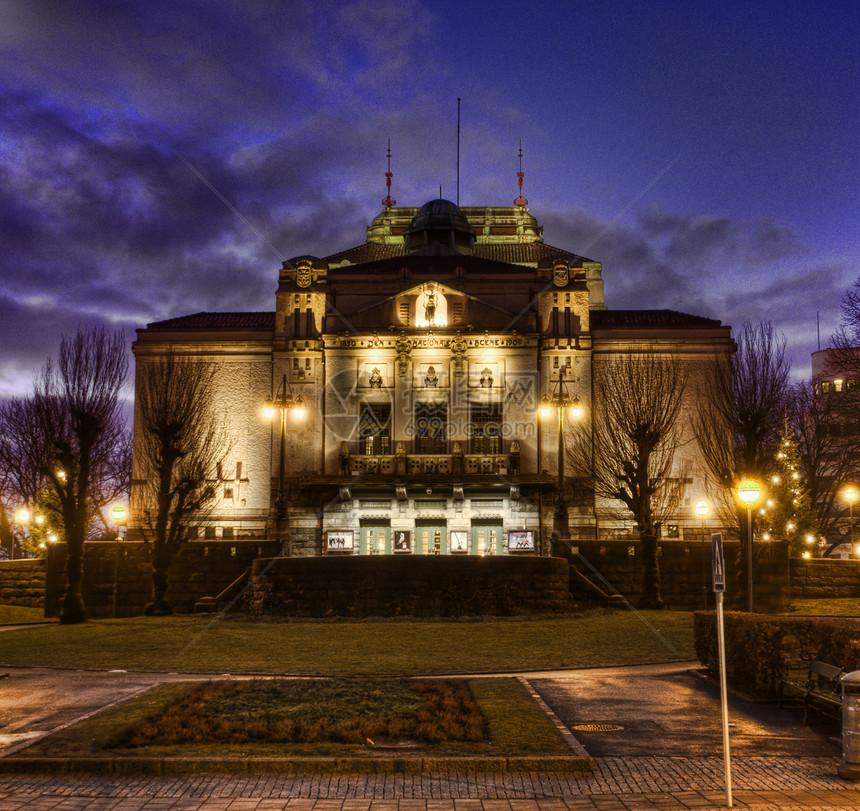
pixel 559 400
pixel 850 494
pixel 282 402
pixel 118 513
pixel 22 517
pixel 702 509
pixel 749 492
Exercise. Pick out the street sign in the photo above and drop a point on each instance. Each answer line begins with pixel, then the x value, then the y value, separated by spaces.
pixel 717 562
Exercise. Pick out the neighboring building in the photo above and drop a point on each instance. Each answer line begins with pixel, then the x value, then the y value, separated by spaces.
pixel 421 357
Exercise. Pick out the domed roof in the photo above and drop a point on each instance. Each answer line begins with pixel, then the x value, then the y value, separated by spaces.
pixel 440 222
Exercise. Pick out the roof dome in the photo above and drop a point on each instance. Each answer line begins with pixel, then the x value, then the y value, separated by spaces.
pixel 439 227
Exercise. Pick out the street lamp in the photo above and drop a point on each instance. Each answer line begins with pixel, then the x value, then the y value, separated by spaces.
pixel 118 513
pixel 749 492
pixel 282 402
pixel 702 509
pixel 558 401
pixel 850 495
pixel 23 518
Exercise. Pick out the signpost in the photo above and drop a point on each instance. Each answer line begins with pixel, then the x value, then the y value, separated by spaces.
pixel 719 575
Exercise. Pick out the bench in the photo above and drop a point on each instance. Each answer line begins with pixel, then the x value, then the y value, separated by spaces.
pixel 820 689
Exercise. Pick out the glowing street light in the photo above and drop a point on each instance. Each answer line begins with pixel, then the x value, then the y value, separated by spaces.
pixel 749 492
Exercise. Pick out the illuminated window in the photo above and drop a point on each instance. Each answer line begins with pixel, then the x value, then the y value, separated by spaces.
pixel 837 384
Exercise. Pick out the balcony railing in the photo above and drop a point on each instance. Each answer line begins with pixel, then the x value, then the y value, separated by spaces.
pixel 420 464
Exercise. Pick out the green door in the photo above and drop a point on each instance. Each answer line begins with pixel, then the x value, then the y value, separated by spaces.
pixel 431 537
pixel 487 537
pixel 375 539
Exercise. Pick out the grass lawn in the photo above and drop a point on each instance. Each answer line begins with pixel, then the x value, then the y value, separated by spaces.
pixel 201 644
pixel 827 606
pixel 21 614
pixel 512 725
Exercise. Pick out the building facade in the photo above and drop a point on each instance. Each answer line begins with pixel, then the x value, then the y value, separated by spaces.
pixel 406 376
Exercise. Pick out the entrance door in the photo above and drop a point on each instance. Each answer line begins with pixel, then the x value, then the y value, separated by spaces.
pixel 431 537
pixel 375 540
pixel 487 537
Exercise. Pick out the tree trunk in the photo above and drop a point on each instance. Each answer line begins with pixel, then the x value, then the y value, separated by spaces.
pixel 650 571
pixel 159 607
pixel 73 610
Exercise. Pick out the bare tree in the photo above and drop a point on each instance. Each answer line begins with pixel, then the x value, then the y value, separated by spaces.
pixel 629 449
pixel 741 412
pixel 828 434
pixel 65 438
pixel 180 447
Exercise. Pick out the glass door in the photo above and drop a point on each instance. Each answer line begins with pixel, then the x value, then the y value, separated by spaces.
pixel 375 540
pixel 431 537
pixel 487 537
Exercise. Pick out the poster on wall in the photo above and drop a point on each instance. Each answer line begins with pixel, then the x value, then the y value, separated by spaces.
pixel 521 540
pixel 340 540
pixel 459 540
pixel 402 540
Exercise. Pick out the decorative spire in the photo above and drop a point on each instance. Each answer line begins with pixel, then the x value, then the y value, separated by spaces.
pixel 521 201
pixel 388 202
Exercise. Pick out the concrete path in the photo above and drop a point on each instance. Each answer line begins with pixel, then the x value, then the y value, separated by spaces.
pixel 664 757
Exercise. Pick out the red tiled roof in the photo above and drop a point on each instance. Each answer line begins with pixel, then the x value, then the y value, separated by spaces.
pixel 613 319
pixel 253 321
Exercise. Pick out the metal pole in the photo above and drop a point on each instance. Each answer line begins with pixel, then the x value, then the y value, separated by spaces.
pixel 721 641
pixel 115 573
pixel 704 576
pixel 750 562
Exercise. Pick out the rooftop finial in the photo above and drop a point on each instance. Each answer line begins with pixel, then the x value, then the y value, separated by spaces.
pixel 521 201
pixel 388 202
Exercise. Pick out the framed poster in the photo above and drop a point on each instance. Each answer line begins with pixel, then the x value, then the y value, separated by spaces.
pixel 521 540
pixel 402 540
pixel 340 540
pixel 459 541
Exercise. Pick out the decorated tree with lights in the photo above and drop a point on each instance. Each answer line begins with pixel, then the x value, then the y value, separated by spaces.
pixel 789 510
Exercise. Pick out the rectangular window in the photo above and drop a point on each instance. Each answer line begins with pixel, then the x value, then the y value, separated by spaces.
pixel 457 312
pixel 374 429
pixel 404 312
pixel 431 427
pixel 227 534
pixel 485 427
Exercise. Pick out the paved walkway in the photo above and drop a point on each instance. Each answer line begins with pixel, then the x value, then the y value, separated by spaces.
pixel 778 766
pixel 630 783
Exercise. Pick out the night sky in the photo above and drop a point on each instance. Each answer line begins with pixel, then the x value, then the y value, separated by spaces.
pixel 162 158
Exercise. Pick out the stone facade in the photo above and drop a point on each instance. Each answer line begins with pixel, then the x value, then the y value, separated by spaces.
pixel 420 357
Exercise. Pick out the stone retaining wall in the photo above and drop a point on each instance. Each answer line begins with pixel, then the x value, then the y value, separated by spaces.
pixel 409 585
pixel 201 569
pixel 22 582
pixel 685 571
pixel 818 577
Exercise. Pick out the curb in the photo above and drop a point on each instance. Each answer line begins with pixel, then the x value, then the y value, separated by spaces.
pixel 573 763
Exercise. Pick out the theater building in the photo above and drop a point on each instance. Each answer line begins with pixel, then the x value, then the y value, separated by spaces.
pixel 406 375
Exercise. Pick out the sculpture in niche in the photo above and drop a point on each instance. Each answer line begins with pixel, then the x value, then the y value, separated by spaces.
pixel 486 378
pixel 430 304
pixel 430 379
pixel 375 379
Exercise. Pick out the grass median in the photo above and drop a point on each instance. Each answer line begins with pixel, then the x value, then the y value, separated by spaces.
pixel 203 644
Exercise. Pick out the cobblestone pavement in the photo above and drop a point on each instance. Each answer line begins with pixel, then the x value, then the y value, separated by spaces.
pixel 616 783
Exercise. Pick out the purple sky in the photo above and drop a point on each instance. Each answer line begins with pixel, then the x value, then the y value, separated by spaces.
pixel 706 153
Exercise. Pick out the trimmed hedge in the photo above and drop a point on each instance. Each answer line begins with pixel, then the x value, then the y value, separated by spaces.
pixel 762 648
